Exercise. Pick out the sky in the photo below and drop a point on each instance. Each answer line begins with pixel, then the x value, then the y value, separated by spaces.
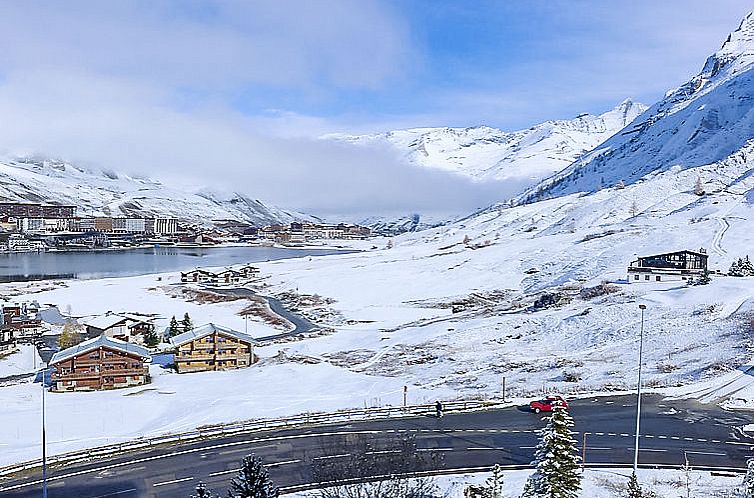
pixel 233 95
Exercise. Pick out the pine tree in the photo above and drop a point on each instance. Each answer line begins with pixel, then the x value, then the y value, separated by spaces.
pixel 493 486
pixel 634 209
pixel 747 486
pixel 704 278
pixel 556 461
pixel 174 329
pixel 735 268
pixel 253 481
pixel 186 323
pixel 201 491
pixel 634 490
pixel 698 187
pixel 151 339
pixel 747 268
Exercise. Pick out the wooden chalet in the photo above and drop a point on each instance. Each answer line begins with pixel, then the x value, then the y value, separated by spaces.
pixel 211 347
pixel 7 342
pixel 119 326
pixel 197 275
pixel 100 363
pixel 668 267
pixel 248 271
pixel 228 276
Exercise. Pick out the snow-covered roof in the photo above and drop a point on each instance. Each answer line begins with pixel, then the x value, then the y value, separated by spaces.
pixel 104 322
pixel 207 329
pixel 101 341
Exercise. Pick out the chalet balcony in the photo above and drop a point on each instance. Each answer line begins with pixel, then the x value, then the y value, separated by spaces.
pixel 101 373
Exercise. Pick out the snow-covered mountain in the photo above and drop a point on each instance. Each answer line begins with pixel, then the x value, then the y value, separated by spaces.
pixel 103 192
pixel 484 153
pixel 705 120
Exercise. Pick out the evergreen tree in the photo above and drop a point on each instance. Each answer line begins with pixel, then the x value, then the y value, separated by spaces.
pixel 747 486
pixel 253 481
pixel 201 491
pixel 735 268
pixel 556 461
pixel 151 339
pixel 174 328
pixel 747 268
pixel 186 323
pixel 493 486
pixel 698 187
pixel 704 279
pixel 633 490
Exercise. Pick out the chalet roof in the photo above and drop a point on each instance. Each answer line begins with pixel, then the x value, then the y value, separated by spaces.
pixel 207 329
pixel 228 270
pixel 196 270
pixel 104 322
pixel 101 341
pixel 698 253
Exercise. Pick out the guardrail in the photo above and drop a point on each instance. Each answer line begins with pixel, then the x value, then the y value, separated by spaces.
pixel 219 430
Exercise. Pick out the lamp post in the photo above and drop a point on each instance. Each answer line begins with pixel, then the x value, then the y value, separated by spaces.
pixel 642 307
pixel 44 438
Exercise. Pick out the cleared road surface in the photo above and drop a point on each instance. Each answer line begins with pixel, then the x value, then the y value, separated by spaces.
pixel 708 436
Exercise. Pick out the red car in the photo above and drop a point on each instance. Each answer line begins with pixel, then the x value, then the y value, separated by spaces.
pixel 547 404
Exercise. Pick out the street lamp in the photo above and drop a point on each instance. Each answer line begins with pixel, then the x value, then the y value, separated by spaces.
pixel 44 438
pixel 642 307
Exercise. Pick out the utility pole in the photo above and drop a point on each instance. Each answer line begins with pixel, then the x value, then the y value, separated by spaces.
pixel 642 307
pixel 44 439
pixel 503 388
pixel 405 395
pixel 583 452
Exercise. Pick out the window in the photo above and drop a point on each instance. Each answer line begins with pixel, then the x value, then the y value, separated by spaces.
pixel 646 277
pixel 657 278
pixel 636 277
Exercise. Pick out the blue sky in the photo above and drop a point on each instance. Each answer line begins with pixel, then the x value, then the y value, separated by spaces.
pixel 182 90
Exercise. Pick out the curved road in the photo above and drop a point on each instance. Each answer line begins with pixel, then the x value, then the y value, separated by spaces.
pixel 706 435
pixel 300 324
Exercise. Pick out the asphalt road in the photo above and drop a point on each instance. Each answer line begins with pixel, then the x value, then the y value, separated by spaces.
pixel 300 324
pixel 671 430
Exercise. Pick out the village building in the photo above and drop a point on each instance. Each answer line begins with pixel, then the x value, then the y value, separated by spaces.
pixel 22 321
pixel 668 267
pixel 248 271
pixel 7 342
pixel 228 276
pixel 100 363
pixel 197 275
pixel 211 347
pixel 121 326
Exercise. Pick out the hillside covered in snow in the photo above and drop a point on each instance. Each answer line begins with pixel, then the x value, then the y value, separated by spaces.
pixel 108 193
pixel 705 120
pixel 484 153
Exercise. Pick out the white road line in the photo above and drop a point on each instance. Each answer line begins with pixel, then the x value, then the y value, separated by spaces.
pixel 381 452
pixel 707 453
pixel 590 448
pixel 739 444
pixel 599 433
pixel 435 449
pixel 172 482
pixel 287 462
pixel 651 449
pixel 701 440
pixel 222 472
pixel 675 437
pixel 649 436
pixel 116 493
pixel 327 457
pixel 688 439
pixel 624 434
pixel 662 437
pixel 527 447
pixel 485 449
pixel 716 441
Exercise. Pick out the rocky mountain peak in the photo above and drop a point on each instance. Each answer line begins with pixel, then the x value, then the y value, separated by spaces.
pixel 738 46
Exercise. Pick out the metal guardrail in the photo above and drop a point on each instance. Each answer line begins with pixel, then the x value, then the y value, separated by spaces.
pixel 213 431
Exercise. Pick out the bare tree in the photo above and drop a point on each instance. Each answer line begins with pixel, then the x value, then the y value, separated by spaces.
pixel 370 468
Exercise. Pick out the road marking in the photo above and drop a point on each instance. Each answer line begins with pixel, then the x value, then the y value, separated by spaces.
pixel 222 472
pixel 675 437
pixel 651 449
pixel 739 444
pixel 707 453
pixel 701 440
pixel 688 439
pixel 484 449
pixel 172 482
pixel 624 434
pixel 648 436
pixel 327 457
pixel 716 441
pixel 287 462
pixel 527 447
pixel 662 437
pixel 435 449
pixel 590 448
pixel 115 493
pixel 381 452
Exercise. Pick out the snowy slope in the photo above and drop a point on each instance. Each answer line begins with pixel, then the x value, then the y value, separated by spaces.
pixel 485 153
pixel 705 120
pixel 113 194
